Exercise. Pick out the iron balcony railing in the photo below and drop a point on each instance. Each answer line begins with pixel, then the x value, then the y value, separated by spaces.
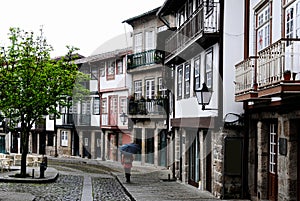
pixel 82 119
pixel 269 67
pixel 148 107
pixel 67 119
pixel 204 20
pixel 144 58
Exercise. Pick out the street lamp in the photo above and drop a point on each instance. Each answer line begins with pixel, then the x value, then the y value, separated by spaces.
pixel 203 96
pixel 123 117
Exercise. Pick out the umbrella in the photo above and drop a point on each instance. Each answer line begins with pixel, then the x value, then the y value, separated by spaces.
pixel 130 148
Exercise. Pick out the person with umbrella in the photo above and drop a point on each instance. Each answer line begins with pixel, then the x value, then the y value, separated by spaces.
pixel 127 151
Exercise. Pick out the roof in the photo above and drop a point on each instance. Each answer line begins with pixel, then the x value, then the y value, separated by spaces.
pixel 151 12
pixel 121 41
pixel 170 6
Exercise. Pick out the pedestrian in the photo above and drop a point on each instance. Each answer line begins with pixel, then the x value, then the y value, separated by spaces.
pixel 127 159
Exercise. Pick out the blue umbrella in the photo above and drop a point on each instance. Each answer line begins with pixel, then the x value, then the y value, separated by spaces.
pixel 130 148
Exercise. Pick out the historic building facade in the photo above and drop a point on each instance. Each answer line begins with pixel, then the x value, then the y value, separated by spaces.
pixel 267 83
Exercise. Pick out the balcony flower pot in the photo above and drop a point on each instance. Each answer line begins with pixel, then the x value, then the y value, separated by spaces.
pixel 287 75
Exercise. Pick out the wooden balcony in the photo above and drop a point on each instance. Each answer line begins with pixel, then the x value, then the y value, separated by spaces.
pixel 154 108
pixel 201 28
pixel 265 76
pixel 144 58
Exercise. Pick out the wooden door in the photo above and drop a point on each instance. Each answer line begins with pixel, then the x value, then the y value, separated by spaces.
pixel 113 110
pixel 272 175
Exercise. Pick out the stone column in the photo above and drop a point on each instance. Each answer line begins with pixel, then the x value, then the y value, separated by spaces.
pixel 262 167
pixel 81 143
pixel 103 145
pixel 184 155
pixel 156 136
pixel 177 153
pixel 143 152
pixel 93 145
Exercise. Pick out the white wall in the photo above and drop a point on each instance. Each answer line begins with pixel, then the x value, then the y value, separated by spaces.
pixel 233 52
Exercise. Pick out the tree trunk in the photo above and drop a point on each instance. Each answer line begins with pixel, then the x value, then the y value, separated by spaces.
pixel 24 140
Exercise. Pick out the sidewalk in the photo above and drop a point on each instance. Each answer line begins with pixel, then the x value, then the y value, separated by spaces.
pixel 149 183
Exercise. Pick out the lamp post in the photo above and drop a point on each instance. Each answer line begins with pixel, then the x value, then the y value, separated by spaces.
pixel 203 97
pixel 123 117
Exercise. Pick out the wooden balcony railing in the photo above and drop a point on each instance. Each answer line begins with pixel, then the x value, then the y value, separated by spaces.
pixel 144 58
pixel 148 107
pixel 245 75
pixel 201 22
pixel 269 67
pixel 279 57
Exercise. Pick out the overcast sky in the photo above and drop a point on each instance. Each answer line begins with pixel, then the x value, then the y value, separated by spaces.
pixel 83 24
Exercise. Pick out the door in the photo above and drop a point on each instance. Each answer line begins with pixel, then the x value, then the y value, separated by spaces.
pixel 113 110
pixel 272 175
pixel 2 143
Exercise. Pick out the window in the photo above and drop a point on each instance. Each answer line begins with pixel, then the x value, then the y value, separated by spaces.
pixel 64 138
pixel 179 82
pixel 149 42
pixel 104 105
pixel 197 81
pixel 111 69
pixel 150 89
pixel 138 89
pixel 273 149
pixel 86 142
pixel 263 28
pixel 94 73
pixel 138 43
pixel 123 105
pixel 181 16
pixel 86 107
pixel 292 27
pixel 50 139
pixel 187 80
pixel 96 106
pixel 161 88
pixel 73 108
pixel 119 67
pixel 209 68
pixel 209 6
pixel 102 69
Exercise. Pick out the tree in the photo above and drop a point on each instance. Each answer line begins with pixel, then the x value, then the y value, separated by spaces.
pixel 32 84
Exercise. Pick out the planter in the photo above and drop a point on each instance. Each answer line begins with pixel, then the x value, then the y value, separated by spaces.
pixel 287 75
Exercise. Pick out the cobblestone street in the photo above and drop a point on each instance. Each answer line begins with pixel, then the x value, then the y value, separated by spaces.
pixel 70 184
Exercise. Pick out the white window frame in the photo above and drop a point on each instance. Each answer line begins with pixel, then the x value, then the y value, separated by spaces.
pixel 273 149
pixel 138 89
pixel 96 105
pixel 263 28
pixel 138 42
pixel 187 78
pixel 209 68
pixel 197 78
pixel 123 105
pixel 64 142
pixel 161 88
pixel 149 40
pixel 150 88
pixel 179 81
pixel 104 106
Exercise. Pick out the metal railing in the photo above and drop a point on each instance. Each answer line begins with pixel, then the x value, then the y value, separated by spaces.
pixel 201 21
pixel 148 107
pixel 143 58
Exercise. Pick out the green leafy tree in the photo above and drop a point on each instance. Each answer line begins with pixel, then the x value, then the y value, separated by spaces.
pixel 32 84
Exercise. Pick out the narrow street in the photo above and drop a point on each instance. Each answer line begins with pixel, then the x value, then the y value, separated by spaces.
pixel 76 181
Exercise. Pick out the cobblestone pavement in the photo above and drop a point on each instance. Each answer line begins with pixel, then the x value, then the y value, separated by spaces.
pixel 71 185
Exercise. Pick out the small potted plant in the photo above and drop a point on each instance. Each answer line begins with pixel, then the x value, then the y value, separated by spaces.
pixel 287 75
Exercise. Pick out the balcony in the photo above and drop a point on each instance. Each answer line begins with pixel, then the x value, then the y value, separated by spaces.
pixel 82 119
pixel 154 108
pixel 144 58
pixel 202 27
pixel 67 119
pixel 264 76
